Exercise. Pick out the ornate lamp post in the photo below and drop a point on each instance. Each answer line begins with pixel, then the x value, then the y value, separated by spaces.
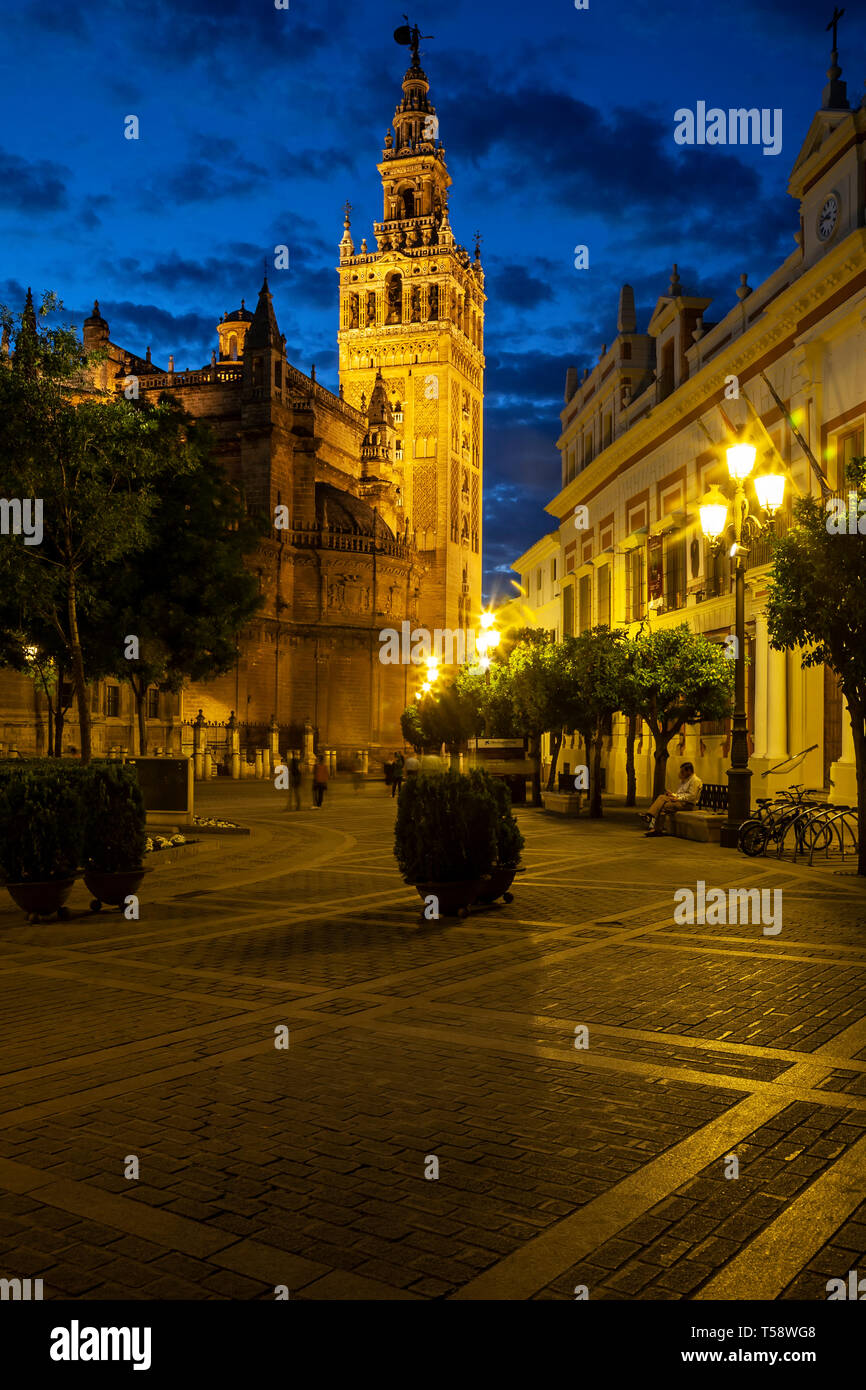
pixel 770 490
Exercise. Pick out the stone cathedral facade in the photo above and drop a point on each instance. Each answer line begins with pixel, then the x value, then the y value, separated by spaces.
pixel 379 486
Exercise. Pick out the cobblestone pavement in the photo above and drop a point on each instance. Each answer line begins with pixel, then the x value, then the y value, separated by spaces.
pixel 711 1049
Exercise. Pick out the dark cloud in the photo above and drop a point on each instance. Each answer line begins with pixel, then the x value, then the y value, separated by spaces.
pixel 515 285
pixel 538 377
pixel 29 186
pixel 132 324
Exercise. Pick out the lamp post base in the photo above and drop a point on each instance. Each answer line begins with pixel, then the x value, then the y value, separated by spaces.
pixel 739 805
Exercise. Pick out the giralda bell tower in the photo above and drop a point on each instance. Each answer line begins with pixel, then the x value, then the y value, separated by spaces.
pixel 413 311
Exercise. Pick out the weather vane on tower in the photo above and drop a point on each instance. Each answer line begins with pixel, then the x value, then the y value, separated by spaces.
pixel 410 34
pixel 837 15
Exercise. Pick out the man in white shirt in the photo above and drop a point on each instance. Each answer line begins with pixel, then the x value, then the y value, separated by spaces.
pixel 686 797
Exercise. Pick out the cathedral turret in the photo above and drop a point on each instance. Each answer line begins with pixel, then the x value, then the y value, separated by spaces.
pixel 347 246
pixel 263 348
pixel 379 480
pixel 232 331
pixel 95 331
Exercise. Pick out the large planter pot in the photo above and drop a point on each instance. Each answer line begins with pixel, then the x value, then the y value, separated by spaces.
pixel 112 888
pixel 454 897
pixel 496 885
pixel 42 899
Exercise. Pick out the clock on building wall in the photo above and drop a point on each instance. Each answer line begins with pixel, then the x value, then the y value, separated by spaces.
pixel 828 217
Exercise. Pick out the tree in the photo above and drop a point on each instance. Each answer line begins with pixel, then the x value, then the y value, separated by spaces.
pixel 410 725
pixel 449 716
pixel 541 682
pixel 489 692
pixel 599 658
pixel 816 605
pixel 186 594
pixel 90 463
pixel 676 677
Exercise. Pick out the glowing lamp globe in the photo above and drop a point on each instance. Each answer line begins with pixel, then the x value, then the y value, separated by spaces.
pixel 713 513
pixel 770 488
pixel 741 460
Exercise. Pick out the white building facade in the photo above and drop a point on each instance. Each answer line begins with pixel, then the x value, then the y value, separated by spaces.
pixel 643 437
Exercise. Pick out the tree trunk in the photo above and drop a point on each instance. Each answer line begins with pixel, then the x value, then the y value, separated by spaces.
pixel 555 745
pixel 661 763
pixel 535 755
pixel 78 680
pixel 139 694
pixel 630 777
pixel 595 810
pixel 49 719
pixel 59 721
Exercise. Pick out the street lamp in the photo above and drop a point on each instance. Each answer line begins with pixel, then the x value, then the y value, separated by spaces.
pixel 769 490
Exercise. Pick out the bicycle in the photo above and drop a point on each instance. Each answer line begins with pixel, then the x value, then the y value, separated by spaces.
pixel 774 819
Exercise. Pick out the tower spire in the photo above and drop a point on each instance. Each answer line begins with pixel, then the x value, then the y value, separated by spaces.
pixel 835 95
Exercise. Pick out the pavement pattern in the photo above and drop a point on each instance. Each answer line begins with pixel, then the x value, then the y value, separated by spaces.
pixel 420 1045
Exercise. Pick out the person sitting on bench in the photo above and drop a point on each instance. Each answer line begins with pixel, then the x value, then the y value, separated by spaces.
pixel 686 797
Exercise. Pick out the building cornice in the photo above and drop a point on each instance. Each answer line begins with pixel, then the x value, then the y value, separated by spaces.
pixel 773 331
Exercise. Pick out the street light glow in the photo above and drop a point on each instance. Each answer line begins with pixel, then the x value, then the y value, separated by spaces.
pixel 741 460
pixel 770 488
pixel 713 513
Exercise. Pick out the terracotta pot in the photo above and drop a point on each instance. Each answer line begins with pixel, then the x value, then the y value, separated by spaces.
pixel 42 899
pixel 112 888
pixel 454 897
pixel 497 884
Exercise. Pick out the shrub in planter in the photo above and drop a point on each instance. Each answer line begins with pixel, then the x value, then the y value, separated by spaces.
pixel 445 830
pixel 114 824
pixel 41 832
pixel 509 840
pixel 115 836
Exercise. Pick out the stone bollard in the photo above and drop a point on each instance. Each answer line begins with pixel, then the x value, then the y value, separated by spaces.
pixel 365 761
pixel 260 771
pixel 198 746
pixel 207 765
pixel 234 747
pixel 332 760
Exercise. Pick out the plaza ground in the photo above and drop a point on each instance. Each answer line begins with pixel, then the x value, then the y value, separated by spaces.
pixel 455 1040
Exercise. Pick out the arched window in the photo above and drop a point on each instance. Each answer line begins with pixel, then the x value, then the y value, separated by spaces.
pixel 408 196
pixel 233 348
pixel 394 299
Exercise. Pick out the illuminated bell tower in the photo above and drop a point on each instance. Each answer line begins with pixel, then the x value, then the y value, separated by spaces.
pixel 413 310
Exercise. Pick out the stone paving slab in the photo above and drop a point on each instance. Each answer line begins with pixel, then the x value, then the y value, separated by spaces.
pixel 419 1043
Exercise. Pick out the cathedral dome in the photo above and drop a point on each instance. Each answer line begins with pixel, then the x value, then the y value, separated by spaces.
pixel 344 512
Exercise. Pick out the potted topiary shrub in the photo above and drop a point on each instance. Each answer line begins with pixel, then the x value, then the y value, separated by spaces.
pixel 114 835
pixel 40 839
pixel 509 841
pixel 445 838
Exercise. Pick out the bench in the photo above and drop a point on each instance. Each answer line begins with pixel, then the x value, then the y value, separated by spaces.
pixel 706 821
pixel 562 803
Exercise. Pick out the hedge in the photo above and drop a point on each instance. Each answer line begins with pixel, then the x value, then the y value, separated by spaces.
pixel 57 817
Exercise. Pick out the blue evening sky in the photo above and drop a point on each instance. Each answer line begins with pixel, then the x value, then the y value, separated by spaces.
pixel 257 123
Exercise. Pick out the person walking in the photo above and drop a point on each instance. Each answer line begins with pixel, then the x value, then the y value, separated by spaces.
pixel 388 769
pixel 294 802
pixel 320 780
pixel 397 774
pixel 412 766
